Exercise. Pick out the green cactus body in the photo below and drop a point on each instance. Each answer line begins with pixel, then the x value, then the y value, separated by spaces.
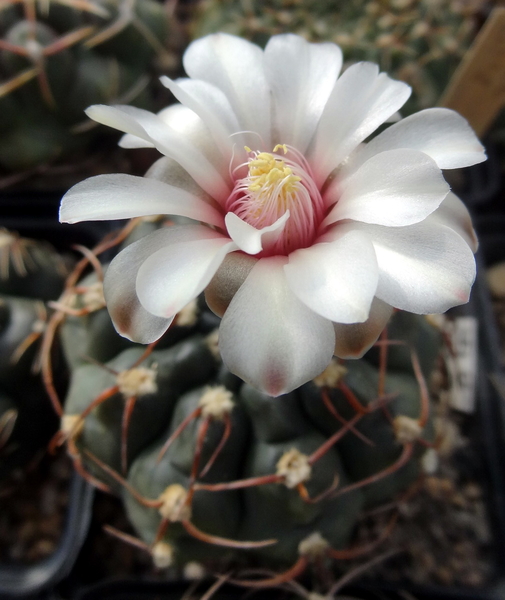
pixel 173 370
pixel 90 333
pixel 214 513
pixel 59 59
pixel 274 475
pixel 276 510
pixel 18 319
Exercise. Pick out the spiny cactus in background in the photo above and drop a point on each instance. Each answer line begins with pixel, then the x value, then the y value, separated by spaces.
pixel 57 58
pixel 420 42
pixel 31 273
pixel 209 467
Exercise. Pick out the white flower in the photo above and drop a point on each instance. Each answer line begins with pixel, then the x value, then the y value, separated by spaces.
pixel 307 236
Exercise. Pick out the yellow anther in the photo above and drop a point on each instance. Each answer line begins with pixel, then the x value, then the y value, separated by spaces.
pixel 282 147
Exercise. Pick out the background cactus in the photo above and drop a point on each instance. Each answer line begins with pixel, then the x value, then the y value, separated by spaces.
pixel 31 273
pixel 420 42
pixel 207 465
pixel 57 58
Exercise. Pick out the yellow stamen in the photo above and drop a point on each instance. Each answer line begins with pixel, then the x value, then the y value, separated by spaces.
pixel 266 172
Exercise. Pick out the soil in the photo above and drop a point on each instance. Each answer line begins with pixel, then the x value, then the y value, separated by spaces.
pixel 33 503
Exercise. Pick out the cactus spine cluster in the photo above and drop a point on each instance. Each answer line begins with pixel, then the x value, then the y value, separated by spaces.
pixel 58 57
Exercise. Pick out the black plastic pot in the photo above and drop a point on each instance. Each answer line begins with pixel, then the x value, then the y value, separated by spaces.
pixel 21 581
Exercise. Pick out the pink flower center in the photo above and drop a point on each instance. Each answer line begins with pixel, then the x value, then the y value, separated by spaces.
pixel 273 185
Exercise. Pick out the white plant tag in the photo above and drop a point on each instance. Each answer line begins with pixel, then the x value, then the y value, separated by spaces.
pixel 462 363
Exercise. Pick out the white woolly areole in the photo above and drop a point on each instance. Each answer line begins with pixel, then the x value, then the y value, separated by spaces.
pixel 406 429
pixel 137 382
pixel 188 315
pixel 163 555
pixel 331 376
pixel 294 467
pixel 93 298
pixel 212 342
pixel 430 461
pixel 216 402
pixel 313 545
pixel 194 571
pixel 72 425
pixel 174 507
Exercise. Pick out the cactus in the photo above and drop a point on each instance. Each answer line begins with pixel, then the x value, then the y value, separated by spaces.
pixel 57 58
pixel 418 41
pixel 31 273
pixel 212 470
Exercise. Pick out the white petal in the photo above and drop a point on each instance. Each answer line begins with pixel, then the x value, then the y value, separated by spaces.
pixel 169 171
pixel 440 133
pixel 183 120
pixel 129 317
pixel 149 126
pixel 352 341
pixel 424 268
pixel 395 188
pixel 337 279
pixel 211 105
pixel 361 100
pixel 271 339
pixel 130 141
pixel 252 240
pixel 454 214
pixel 178 272
pixel 301 77
pixel 120 196
pixel 235 66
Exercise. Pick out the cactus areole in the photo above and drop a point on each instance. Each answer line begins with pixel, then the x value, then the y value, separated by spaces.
pixel 305 233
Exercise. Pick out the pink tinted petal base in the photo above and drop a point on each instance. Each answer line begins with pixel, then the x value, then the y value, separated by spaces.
pixel 271 339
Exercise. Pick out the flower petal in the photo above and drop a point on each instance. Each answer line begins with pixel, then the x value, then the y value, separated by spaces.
pixel 178 272
pixel 271 339
pixel 395 188
pixel 361 100
pixel 231 274
pixel 352 341
pixel 150 127
pixel 454 214
pixel 235 66
pixel 211 105
pixel 252 240
pixel 440 133
pixel 130 319
pixel 301 77
pixel 120 196
pixel 337 279
pixel 424 268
